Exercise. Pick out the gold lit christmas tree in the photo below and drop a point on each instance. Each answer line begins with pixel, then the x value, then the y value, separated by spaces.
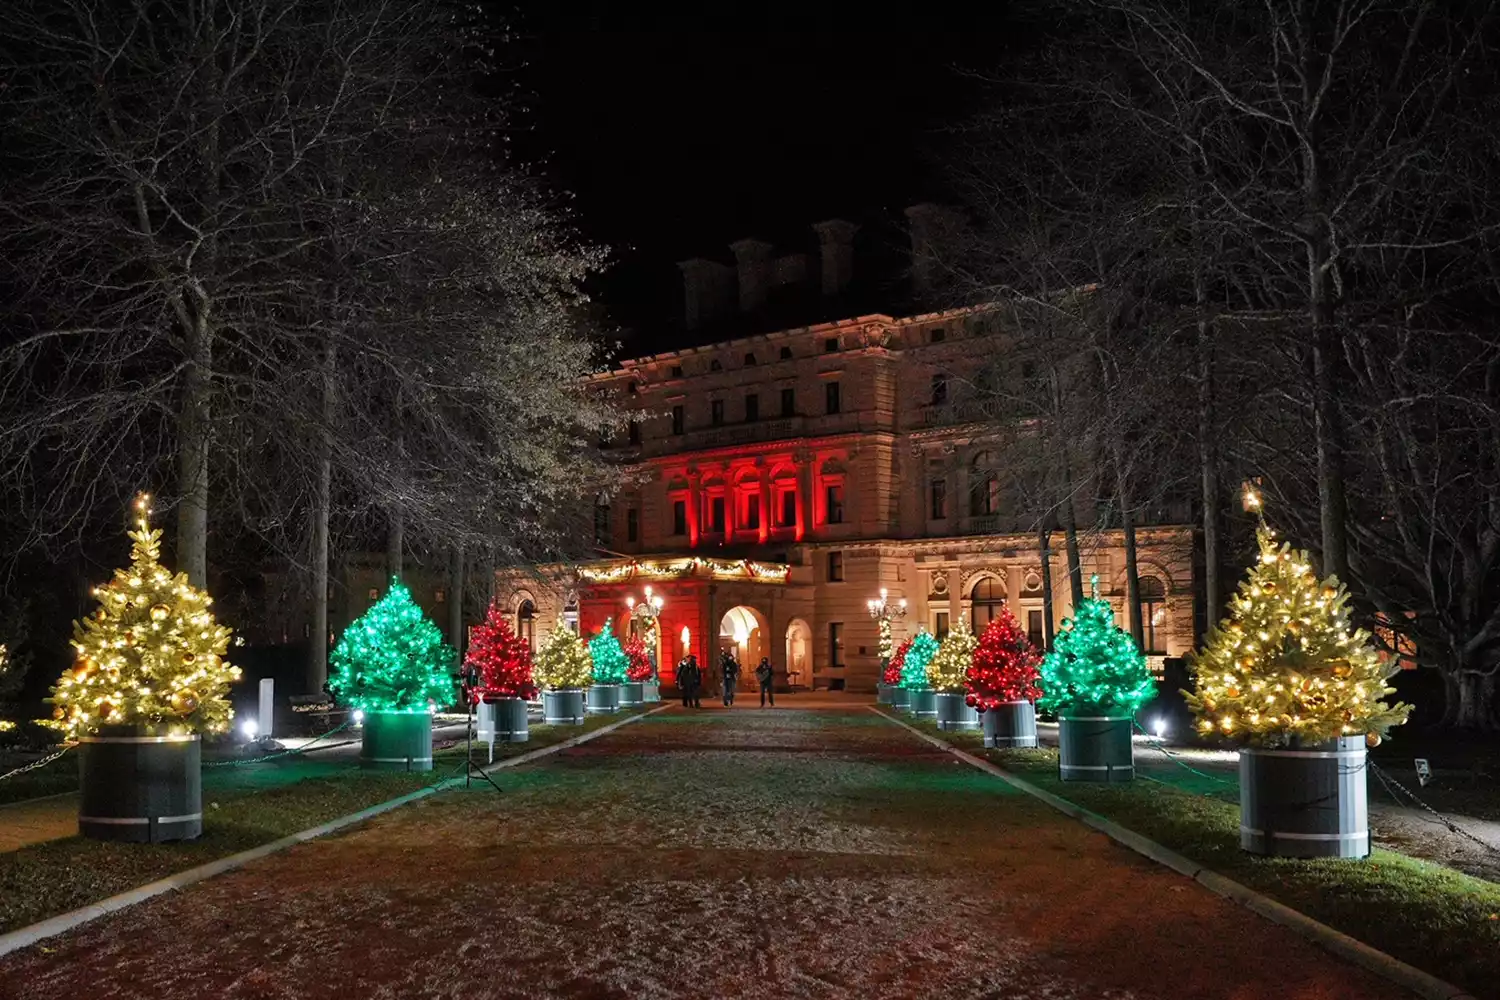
pixel 151 655
pixel 949 667
pixel 563 662
pixel 1286 664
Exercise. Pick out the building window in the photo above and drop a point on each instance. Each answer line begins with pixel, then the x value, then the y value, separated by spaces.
pixel 716 413
pixel 788 508
pixel 716 514
pixel 679 419
pixel 831 397
pixel 835 567
pixel 679 517
pixel 601 524
pixel 835 644
pixel 984 486
pixel 677 371
pixel 937 336
pixel 939 390
pixel 630 388
pixel 714 366
pixel 526 624
pixel 1034 632
pixel 938 493
pixel 1153 614
pixel 632 525
pixel 987 597
pixel 788 402
pixel 831 345
pixel 786 354
pixel 833 499
pixel 939 625
pixel 752 407
pixel 635 432
pixel 750 361
pixel 752 512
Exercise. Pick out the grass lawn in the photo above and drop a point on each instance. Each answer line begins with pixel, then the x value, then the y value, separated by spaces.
pixel 1432 917
pixel 262 803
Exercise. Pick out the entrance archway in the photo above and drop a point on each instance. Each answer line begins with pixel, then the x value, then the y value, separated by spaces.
pixel 799 654
pixel 743 632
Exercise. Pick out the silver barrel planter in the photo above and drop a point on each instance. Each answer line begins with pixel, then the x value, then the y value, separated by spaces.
pixel 1095 748
pixel 1010 724
pixel 954 712
pixel 137 784
pixel 1306 800
pixel 396 741
pixel 603 699
pixel 563 707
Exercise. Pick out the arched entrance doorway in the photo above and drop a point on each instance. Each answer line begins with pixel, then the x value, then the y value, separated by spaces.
pixel 799 654
pixel 742 632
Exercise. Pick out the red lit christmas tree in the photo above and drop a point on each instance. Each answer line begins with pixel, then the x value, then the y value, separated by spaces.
pixel 501 659
pixel 892 675
pixel 639 668
pixel 1005 665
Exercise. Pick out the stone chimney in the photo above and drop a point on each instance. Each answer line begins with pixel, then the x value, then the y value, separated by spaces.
pixel 754 260
pixel 836 246
pixel 928 224
pixel 703 285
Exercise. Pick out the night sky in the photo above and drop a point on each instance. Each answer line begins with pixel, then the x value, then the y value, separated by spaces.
pixel 680 136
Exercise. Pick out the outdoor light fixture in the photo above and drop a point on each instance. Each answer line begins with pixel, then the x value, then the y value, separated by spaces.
pixel 359 717
pixel 1159 727
pixel 884 613
pixel 687 638
pixel 250 727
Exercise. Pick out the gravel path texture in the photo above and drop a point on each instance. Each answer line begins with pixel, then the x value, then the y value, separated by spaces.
pixel 808 854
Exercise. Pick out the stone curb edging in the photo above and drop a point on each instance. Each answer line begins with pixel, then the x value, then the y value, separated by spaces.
pixel 27 936
pixel 1350 949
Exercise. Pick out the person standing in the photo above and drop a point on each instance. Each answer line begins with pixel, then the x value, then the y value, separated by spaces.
pixel 681 677
pixel 729 667
pixel 764 674
pixel 694 682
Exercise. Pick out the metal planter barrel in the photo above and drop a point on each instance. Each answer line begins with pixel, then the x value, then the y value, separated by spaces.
pixel 397 741
pixel 139 786
pixel 954 712
pixel 882 693
pixel 924 703
pixel 563 707
pixel 1010 724
pixel 603 699
pixel 632 695
pixel 1095 748
pixel 650 692
pixel 901 699
pixel 510 720
pixel 1305 801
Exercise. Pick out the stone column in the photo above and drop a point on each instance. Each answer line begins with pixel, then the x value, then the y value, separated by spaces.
pixel 804 494
pixel 765 502
pixel 694 507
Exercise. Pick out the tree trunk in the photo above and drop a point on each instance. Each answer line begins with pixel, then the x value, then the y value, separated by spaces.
pixel 1070 534
pixel 192 453
pixel 1470 702
pixel 317 647
pixel 395 542
pixel 1132 577
pixel 1044 547
pixel 1208 460
pixel 456 600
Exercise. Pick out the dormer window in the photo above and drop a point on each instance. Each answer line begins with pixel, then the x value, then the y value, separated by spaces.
pixel 938 336
pixel 786 354
pixel 714 366
pixel 831 345
pixel 631 388
pixel 750 360
pixel 677 371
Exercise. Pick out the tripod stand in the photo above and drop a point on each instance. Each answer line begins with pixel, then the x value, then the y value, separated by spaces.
pixel 471 679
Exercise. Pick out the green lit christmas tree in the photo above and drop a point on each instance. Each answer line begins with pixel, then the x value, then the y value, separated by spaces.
pixel 914 666
pixel 611 663
pixel 1095 667
pixel 392 659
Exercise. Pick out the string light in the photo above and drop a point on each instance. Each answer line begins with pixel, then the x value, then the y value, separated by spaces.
pixel 1095 666
pixel 500 660
pixel 690 566
pixel 392 658
pixel 563 664
pixel 1004 665
pixel 611 665
pixel 949 667
pixel 918 655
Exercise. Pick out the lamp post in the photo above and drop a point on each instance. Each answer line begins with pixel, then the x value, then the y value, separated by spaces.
pixel 884 612
pixel 648 612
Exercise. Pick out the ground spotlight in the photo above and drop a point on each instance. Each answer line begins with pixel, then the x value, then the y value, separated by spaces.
pixel 250 727
pixel 1159 727
pixel 359 717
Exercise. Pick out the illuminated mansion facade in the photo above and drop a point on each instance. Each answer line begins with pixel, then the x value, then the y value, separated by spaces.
pixel 785 479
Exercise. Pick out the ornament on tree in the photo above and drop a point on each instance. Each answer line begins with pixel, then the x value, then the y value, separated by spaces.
pixel 150 655
pixel 1287 663
pixel 392 659
pixel 639 667
pixel 499 660
pixel 1095 667
pixel 949 665
pixel 914 664
pixel 1004 666
pixel 610 662
pixel 563 664
pixel 892 674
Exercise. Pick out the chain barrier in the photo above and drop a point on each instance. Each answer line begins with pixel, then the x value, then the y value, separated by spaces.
pixel 280 753
pixel 1392 786
pixel 38 763
pixel 1157 745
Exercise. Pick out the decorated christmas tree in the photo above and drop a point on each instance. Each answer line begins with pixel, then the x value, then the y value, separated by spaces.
pixel 150 655
pixel 949 666
pixel 1094 667
pixel 914 664
pixel 639 666
pixel 611 665
pixel 501 660
pixel 563 662
pixel 392 659
pixel 1004 666
pixel 892 674
pixel 1286 663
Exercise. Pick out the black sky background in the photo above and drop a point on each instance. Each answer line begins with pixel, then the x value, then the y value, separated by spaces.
pixel 678 136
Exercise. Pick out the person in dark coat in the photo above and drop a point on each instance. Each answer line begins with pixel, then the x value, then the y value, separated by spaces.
pixel 696 681
pixel 681 677
pixel 729 668
pixel 764 674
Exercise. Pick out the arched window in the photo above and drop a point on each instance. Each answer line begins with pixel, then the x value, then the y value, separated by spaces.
pixel 987 598
pixel 1153 614
pixel 984 486
pixel 526 624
